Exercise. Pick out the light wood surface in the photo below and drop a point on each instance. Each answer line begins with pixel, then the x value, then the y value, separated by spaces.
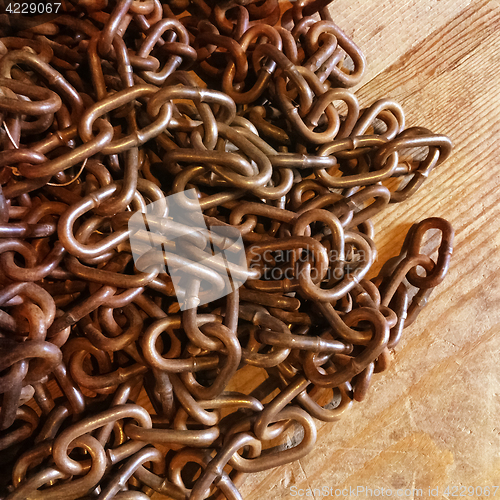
pixel 432 419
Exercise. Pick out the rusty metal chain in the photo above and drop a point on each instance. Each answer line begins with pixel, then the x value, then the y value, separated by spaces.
pixel 109 388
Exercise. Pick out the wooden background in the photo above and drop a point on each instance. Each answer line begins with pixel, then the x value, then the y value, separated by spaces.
pixel 432 419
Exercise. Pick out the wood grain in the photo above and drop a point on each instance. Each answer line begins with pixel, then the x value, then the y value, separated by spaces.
pixel 386 31
pixel 432 420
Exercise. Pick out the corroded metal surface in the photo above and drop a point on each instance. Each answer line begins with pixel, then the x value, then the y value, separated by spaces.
pixel 111 106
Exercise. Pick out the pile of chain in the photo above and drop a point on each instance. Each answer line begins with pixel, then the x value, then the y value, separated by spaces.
pixel 109 388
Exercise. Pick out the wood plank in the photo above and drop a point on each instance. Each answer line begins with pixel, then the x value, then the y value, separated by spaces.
pixel 385 31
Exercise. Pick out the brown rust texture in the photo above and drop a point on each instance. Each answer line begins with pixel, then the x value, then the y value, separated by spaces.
pixel 290 131
pixel 447 365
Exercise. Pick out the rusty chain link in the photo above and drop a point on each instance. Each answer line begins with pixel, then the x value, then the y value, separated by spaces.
pixel 109 387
